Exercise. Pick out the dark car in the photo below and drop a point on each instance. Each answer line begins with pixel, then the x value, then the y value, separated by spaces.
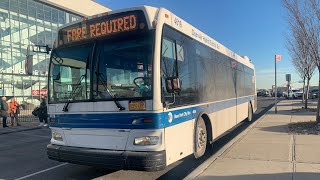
pixel 279 94
pixel 263 92
pixel 314 93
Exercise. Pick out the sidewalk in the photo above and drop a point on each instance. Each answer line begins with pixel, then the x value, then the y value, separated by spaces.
pixel 25 126
pixel 268 151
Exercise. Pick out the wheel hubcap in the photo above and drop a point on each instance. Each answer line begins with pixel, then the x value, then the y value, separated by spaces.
pixel 202 138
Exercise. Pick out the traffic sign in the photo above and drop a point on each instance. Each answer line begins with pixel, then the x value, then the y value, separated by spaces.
pixel 39 92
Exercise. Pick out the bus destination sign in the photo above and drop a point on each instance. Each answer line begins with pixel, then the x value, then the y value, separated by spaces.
pixel 100 27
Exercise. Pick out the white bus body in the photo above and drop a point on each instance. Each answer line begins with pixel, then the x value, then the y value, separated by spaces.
pixel 96 132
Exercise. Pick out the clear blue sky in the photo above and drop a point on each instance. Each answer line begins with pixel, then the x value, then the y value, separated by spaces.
pixel 256 28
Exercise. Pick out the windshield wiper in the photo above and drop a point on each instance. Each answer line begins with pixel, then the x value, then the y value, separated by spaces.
pixel 73 93
pixel 104 83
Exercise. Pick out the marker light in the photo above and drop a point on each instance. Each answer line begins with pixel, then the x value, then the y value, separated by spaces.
pixel 141 121
pixel 154 24
pixel 146 141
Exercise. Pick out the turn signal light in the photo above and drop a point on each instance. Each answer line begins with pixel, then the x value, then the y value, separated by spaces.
pixel 154 24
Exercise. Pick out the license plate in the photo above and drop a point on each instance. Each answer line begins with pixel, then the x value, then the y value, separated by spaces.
pixel 137 106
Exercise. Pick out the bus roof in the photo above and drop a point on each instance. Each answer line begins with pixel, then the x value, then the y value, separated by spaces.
pixel 160 16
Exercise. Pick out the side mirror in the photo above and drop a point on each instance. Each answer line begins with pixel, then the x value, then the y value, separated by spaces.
pixel 173 84
pixel 29 64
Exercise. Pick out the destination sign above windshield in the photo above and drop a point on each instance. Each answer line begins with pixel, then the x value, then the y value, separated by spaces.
pixel 102 26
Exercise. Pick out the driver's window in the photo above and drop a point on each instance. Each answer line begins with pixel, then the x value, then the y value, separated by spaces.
pixel 178 60
pixel 168 57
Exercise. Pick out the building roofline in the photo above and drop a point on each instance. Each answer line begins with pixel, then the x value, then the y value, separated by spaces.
pixel 69 10
pixel 60 7
pixel 101 4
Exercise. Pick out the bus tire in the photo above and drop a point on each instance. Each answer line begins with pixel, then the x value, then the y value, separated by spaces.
pixel 250 113
pixel 201 137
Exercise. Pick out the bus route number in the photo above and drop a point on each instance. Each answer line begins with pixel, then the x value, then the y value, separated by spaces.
pixel 137 106
pixel 177 22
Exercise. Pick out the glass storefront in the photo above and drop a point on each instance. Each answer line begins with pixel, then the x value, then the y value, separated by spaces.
pixel 23 23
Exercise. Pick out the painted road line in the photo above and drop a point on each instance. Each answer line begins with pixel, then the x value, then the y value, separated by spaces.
pixel 39 172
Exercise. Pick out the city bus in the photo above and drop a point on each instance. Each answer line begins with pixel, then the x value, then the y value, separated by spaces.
pixel 140 88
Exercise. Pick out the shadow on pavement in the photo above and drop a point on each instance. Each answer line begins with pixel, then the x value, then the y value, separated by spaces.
pixel 295 112
pixel 278 129
pixel 189 163
pixel 282 176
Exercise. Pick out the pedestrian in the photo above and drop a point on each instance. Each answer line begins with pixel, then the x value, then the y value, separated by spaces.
pixel 4 109
pixel 43 113
pixel 14 111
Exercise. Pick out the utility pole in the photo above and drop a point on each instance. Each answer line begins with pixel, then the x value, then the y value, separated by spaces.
pixel 276 58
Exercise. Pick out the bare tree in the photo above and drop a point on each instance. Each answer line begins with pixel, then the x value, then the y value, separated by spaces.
pixel 301 60
pixel 304 18
pixel 314 40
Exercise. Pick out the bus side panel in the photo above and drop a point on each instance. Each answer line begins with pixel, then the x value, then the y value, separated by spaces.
pixel 223 120
pixel 179 141
pixel 242 111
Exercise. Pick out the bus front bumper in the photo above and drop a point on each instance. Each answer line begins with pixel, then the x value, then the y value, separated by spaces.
pixel 147 161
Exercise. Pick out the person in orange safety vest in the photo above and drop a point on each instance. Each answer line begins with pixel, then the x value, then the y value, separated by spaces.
pixel 14 111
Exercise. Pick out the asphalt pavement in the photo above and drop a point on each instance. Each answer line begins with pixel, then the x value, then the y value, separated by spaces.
pixel 23 156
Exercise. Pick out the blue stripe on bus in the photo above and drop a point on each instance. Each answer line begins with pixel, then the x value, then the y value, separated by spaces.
pixel 159 120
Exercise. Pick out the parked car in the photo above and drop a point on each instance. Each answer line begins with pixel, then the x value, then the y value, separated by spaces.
pixel 279 94
pixel 293 94
pixel 263 92
pixel 314 93
pixel 297 94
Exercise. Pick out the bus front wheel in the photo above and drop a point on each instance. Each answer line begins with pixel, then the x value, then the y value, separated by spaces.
pixel 201 137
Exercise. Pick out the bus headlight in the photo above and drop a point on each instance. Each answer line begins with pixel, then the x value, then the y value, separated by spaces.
pixel 146 141
pixel 57 136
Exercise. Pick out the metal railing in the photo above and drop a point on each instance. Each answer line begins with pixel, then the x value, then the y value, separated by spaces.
pixel 26 116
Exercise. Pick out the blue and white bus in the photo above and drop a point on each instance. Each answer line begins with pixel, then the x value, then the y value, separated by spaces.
pixel 140 88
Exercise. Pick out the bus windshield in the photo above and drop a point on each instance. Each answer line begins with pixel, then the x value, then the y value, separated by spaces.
pixel 107 69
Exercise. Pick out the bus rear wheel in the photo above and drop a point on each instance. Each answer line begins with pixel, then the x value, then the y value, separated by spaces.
pixel 201 137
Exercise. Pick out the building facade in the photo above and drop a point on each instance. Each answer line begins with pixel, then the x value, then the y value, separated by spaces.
pixel 33 22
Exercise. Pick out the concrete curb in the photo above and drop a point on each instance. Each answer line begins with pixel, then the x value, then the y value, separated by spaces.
pixel 19 130
pixel 214 157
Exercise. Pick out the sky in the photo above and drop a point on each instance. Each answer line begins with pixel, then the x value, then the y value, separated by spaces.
pixel 255 28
